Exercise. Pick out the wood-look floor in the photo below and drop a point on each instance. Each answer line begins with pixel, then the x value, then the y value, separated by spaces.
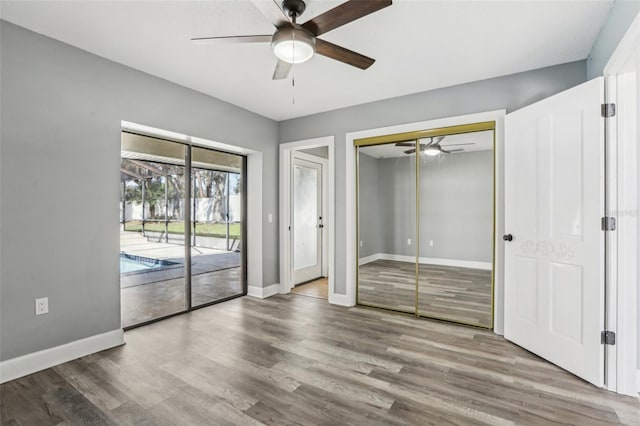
pixel 317 288
pixel 299 360
pixel 446 292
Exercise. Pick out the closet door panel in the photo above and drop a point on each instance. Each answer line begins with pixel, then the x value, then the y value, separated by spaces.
pixel 387 226
pixel 455 207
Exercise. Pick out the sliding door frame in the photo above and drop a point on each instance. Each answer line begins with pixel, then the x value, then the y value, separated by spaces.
pixel 188 198
pixel 414 136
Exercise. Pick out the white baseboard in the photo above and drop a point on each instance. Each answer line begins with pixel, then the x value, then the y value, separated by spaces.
pixel 27 364
pixel 638 381
pixel 427 261
pixel 369 259
pixel 263 292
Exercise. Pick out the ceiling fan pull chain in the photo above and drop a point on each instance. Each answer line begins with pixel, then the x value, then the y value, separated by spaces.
pixel 293 69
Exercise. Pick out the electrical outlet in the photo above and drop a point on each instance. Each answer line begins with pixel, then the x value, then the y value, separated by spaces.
pixel 42 306
pixel 270 218
pixel 360 243
pixel 430 243
pixel 409 241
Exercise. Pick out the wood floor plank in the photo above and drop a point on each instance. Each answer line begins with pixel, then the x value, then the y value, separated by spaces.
pixel 293 360
pixel 318 288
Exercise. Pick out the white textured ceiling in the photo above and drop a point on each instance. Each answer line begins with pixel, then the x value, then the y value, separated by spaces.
pixel 418 45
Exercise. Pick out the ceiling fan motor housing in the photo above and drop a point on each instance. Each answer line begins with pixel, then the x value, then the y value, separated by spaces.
pixel 294 8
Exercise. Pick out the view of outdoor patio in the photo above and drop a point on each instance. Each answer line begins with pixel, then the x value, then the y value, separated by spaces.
pixel 154 279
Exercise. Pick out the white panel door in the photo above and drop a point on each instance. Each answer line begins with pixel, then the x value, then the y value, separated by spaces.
pixel 307 220
pixel 554 264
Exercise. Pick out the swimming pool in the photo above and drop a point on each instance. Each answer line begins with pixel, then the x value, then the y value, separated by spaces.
pixel 131 263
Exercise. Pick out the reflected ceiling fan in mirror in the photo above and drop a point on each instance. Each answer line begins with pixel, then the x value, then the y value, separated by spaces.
pixel 433 147
pixel 293 43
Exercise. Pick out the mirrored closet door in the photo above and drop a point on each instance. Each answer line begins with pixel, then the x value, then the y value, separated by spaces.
pixel 456 228
pixel 387 224
pixel 426 223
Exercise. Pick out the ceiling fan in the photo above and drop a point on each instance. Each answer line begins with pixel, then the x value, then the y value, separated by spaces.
pixel 293 43
pixel 433 147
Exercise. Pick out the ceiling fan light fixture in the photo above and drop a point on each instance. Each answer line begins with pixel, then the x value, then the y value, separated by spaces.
pixel 432 151
pixel 293 45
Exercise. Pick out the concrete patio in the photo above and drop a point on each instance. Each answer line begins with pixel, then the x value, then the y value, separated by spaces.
pixel 146 295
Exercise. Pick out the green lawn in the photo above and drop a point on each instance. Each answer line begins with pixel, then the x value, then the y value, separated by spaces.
pixel 202 229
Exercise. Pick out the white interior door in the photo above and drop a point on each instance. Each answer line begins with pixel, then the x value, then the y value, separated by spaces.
pixel 307 220
pixel 554 274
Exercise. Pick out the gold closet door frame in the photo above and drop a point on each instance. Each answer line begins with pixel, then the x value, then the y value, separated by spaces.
pixel 410 137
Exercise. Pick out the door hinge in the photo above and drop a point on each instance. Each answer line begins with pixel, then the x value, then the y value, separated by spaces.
pixel 608 338
pixel 608 110
pixel 608 223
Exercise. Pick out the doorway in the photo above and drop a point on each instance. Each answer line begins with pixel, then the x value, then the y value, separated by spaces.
pixel 306 205
pixel 349 299
pixel 307 211
pixel 308 186
pixel 622 83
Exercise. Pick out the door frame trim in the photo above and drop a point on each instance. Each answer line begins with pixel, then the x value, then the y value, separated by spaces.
pixel 351 235
pixel 286 149
pixel 623 371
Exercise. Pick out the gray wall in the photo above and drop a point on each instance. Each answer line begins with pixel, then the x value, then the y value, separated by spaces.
pixel 372 208
pixel 456 206
pixel 509 92
pixel 621 15
pixel 321 151
pixel 397 177
pixel 61 113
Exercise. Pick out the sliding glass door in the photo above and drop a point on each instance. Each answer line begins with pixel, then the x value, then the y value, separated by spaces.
pixel 152 241
pixel 216 226
pixel 182 228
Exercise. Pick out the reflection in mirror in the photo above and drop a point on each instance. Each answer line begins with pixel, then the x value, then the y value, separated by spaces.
pixel 445 270
pixel 456 228
pixel 387 226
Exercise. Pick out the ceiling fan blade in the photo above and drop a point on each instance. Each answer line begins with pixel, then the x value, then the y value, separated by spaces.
pixel 432 141
pixel 272 11
pixel 343 14
pixel 282 70
pixel 446 151
pixel 233 39
pixel 406 144
pixel 410 151
pixel 460 144
pixel 341 54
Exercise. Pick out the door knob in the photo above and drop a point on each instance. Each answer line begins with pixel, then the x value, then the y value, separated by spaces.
pixel 507 237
